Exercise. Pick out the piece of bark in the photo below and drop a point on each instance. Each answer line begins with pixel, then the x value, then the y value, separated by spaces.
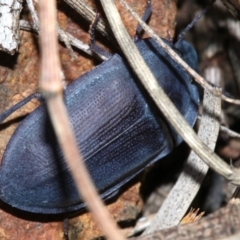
pixel 9 25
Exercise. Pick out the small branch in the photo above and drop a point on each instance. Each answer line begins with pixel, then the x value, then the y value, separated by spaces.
pixel 9 25
pixel 51 86
pixel 61 33
pixel 189 182
pixel 73 41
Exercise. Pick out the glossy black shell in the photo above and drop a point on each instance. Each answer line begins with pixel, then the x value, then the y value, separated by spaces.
pixel 118 129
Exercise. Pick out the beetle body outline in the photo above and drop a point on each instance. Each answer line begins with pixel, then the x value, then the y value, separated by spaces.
pixel 46 192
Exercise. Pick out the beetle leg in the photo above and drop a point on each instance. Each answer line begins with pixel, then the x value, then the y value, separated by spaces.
pixel 194 21
pixel 8 112
pixel 66 228
pixel 95 48
pixel 145 17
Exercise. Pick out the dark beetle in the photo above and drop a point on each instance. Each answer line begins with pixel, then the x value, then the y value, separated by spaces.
pixel 118 129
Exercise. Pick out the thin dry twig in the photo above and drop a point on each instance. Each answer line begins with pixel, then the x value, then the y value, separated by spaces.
pixel 64 36
pixel 25 25
pixel 215 90
pixel 189 182
pixel 52 88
